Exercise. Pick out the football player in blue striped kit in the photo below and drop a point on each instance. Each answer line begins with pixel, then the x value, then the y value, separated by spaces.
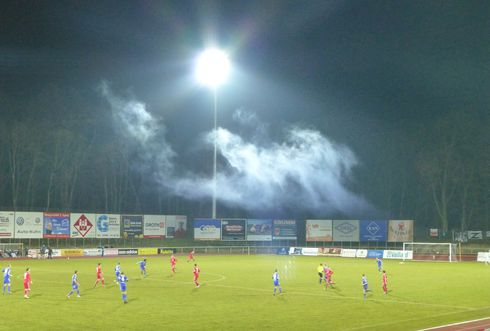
pixel 365 287
pixel 74 285
pixel 117 270
pixel 122 286
pixel 275 279
pixel 379 262
pixel 142 265
pixel 7 274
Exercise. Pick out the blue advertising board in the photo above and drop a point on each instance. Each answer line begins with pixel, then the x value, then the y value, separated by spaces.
pixel 372 254
pixel 283 251
pixel 373 231
pixel 56 225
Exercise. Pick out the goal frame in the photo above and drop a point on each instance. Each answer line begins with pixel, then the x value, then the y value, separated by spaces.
pixel 452 256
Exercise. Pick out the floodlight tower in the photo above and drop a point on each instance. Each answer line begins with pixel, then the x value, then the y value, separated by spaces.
pixel 212 70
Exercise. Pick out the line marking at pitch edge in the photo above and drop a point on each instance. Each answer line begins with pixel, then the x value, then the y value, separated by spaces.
pixel 454 324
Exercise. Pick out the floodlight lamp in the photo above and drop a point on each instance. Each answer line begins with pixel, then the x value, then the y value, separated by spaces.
pixel 213 66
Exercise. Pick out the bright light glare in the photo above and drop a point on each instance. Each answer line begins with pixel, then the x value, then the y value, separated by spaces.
pixel 213 66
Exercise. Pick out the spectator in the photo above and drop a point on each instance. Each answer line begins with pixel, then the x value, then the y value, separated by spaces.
pixel 43 251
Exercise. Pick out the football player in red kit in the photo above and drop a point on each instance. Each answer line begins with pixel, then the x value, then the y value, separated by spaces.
pixel 196 271
pixel 173 263
pixel 100 277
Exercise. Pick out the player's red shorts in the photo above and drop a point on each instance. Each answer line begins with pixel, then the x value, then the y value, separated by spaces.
pixel 26 285
pixel 196 277
pixel 99 276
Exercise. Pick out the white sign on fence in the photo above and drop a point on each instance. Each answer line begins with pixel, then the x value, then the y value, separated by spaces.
pixel 108 226
pixel 361 253
pixel 319 230
pixel 28 225
pixel 82 225
pixel 154 226
pixel 7 219
pixel 398 255
pixel 348 252
pixel 483 257
pixel 308 251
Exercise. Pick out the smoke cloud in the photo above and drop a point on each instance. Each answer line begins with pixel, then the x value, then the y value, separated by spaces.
pixel 305 171
pixel 141 128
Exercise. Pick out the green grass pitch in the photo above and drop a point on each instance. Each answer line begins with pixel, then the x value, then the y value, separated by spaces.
pixel 236 294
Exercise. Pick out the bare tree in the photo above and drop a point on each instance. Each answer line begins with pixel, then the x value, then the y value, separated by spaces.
pixel 23 157
pixel 438 165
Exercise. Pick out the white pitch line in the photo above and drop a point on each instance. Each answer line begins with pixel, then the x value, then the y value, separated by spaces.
pixel 454 324
pixel 371 326
pixel 222 277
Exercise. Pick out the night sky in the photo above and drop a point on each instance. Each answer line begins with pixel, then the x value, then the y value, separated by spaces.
pixel 359 72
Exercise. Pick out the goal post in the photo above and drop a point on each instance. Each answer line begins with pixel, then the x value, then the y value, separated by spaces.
pixel 432 251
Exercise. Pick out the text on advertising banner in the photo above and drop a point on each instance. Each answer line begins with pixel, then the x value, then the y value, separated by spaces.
pixel 233 229
pixel 284 230
pixel 28 225
pixel 154 226
pixel 148 251
pixel 319 230
pixel 127 251
pixel 82 225
pixel 7 219
pixel 345 230
pixel 108 226
pixel 375 253
pixel 373 230
pixel 176 226
pixel 56 225
pixel 259 230
pixel 132 226
pixel 398 255
pixel 400 231
pixel 72 252
pixel 207 229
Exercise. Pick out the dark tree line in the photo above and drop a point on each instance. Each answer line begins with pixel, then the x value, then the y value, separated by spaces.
pixel 60 152
pixel 435 172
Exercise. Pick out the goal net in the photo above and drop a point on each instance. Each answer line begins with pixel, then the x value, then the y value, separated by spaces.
pixel 432 251
pixel 11 250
